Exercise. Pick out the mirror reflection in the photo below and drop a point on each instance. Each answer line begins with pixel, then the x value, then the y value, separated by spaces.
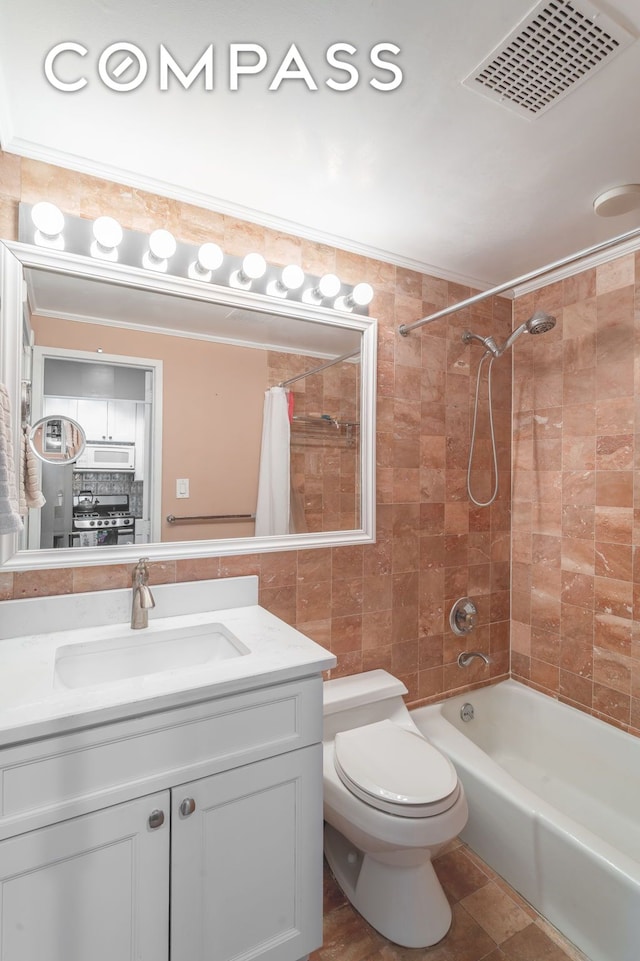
pixel 57 440
pixel 168 399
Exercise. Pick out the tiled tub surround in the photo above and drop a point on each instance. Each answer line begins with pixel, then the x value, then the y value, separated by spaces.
pixel 384 605
pixel 557 821
pixel 576 495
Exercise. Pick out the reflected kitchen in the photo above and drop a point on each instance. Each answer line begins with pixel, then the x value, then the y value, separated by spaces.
pixel 172 427
pixel 98 499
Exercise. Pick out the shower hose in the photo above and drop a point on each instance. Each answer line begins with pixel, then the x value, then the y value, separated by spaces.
pixel 491 429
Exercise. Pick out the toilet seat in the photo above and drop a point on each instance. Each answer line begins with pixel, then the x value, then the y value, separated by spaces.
pixel 395 770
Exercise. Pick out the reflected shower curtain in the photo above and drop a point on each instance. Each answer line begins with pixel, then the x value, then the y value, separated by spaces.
pixel 272 510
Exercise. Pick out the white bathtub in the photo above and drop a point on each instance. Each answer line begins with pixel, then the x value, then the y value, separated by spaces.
pixel 554 807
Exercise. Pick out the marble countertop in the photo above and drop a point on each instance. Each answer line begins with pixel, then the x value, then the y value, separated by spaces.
pixel 35 703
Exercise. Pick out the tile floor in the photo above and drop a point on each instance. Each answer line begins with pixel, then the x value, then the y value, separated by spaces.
pixel 490 922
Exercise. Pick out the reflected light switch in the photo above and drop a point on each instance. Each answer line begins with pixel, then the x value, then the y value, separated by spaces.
pixel 182 487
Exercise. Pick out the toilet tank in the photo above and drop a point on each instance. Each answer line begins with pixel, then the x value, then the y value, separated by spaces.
pixel 359 699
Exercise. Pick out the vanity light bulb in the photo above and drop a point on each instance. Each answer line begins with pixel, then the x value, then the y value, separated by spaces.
pixel 108 234
pixel 254 266
pixel 210 256
pixel 329 285
pixel 362 294
pixel 292 277
pixel 49 223
pixel 162 244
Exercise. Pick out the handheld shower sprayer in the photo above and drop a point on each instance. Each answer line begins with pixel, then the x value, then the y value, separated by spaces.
pixel 538 323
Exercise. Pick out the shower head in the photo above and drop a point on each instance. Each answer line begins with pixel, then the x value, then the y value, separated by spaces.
pixel 538 323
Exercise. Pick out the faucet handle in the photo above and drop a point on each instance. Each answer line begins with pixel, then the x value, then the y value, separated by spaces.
pixel 464 616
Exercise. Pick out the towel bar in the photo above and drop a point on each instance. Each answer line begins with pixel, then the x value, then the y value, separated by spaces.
pixel 172 519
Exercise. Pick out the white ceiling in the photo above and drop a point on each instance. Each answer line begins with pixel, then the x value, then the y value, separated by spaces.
pixel 431 175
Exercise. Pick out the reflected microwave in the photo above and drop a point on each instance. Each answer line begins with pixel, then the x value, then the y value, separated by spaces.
pixel 113 457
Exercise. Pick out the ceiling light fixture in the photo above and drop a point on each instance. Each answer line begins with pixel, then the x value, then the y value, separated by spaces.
pixel 617 201
pixel 328 286
pixel 360 296
pixel 291 278
pixel 107 234
pixel 49 223
pixel 253 267
pixel 209 258
pixel 162 246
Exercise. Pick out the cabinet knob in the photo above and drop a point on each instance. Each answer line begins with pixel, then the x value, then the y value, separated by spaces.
pixel 156 819
pixel 187 807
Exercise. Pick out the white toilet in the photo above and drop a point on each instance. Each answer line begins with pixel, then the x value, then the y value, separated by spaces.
pixel 391 802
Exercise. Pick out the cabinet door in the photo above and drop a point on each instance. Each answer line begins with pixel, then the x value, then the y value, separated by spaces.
pixel 92 416
pixel 247 863
pixel 94 888
pixel 64 406
pixel 122 421
pixel 108 420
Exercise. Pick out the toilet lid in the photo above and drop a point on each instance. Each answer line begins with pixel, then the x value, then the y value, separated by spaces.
pixel 395 770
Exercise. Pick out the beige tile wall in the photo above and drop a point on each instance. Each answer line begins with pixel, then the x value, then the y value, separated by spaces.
pixel 383 605
pixel 576 571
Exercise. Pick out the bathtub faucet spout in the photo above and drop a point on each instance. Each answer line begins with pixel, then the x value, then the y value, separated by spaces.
pixel 465 657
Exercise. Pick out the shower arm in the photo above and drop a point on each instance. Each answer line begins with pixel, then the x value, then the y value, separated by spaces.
pixel 405 329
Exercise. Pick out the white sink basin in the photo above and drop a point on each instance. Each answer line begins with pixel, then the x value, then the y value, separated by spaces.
pixel 136 653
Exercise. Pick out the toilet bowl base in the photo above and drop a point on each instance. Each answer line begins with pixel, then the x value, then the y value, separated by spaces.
pixel 406 904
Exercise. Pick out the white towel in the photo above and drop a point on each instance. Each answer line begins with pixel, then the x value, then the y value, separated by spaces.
pixel 30 493
pixel 10 520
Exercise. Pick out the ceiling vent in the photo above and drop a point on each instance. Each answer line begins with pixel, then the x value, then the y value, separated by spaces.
pixel 558 46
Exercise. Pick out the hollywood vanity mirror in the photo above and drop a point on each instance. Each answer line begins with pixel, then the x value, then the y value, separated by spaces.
pixel 166 375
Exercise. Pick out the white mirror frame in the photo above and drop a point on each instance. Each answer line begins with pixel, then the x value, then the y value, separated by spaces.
pixel 16 256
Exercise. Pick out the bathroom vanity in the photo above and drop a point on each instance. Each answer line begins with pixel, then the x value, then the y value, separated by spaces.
pixel 170 814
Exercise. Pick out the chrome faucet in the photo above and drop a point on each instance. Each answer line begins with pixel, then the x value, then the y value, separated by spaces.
pixel 142 599
pixel 465 657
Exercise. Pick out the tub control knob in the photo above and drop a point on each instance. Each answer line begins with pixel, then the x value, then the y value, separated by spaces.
pixel 464 616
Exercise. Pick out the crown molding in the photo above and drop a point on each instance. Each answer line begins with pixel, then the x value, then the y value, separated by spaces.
pixel 586 263
pixel 129 178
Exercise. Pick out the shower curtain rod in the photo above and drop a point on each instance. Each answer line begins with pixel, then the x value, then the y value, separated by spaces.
pixel 405 329
pixel 316 370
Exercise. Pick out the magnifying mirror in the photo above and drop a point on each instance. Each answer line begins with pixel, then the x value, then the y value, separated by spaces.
pixel 56 439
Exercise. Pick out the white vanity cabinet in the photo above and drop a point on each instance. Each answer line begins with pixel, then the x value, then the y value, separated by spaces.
pixel 190 834
pixel 93 887
pixel 249 850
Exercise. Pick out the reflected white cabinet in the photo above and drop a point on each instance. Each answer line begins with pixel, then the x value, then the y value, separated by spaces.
pixel 108 420
pixel 102 420
pixel 193 834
